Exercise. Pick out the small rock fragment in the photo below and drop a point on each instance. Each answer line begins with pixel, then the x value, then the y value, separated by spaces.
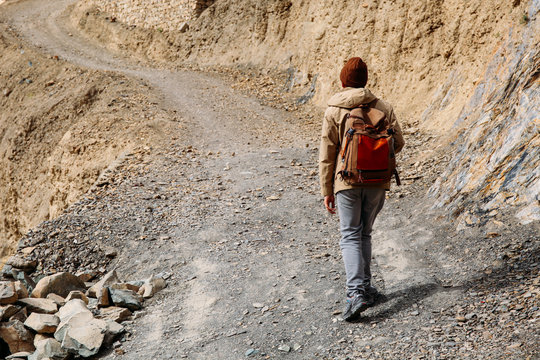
pixel 126 298
pixel 109 279
pixel 20 289
pixel 124 286
pixel 114 313
pixel 86 276
pixel 251 352
pixel 183 27
pixel 104 298
pixel 8 294
pixel 58 300
pixel 76 294
pixel 8 311
pixel 284 348
pixel 20 315
pixel 24 278
pixel 151 286
pixel 19 355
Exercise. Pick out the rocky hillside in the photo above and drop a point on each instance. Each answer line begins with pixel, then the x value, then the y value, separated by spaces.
pixel 61 127
pixel 464 72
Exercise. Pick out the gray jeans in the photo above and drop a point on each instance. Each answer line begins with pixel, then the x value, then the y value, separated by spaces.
pixel 358 209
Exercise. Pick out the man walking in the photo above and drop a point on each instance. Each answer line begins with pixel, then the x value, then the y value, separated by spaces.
pixel 358 204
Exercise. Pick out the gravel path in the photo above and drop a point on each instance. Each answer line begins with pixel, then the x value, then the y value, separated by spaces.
pixel 228 208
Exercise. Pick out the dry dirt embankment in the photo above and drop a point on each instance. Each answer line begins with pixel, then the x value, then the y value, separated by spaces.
pixel 461 72
pixel 61 126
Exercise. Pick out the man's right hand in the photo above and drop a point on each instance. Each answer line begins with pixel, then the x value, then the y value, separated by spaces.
pixel 330 204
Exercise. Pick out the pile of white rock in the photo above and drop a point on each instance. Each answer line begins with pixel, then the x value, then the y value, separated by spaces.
pixel 66 315
pixel 154 14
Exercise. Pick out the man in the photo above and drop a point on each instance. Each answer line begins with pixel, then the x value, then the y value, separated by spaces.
pixel 358 205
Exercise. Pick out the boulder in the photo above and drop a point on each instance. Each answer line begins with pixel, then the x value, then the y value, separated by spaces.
pixel 114 313
pixel 42 306
pixel 109 279
pixel 20 289
pixel 151 286
pixel 19 262
pixel 58 300
pixel 16 336
pixel 82 334
pixel 71 309
pixel 8 311
pixel 8 294
pixel 42 323
pixel 76 294
pixel 60 284
pixel 49 349
pixel 126 298
pixel 80 319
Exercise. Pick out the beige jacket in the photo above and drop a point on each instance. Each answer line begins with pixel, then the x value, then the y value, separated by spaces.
pixel 333 129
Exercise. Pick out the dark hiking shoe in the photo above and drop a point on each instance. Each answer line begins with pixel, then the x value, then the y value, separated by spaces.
pixel 355 305
pixel 372 295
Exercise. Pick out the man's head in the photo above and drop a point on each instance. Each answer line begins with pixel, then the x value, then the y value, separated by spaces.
pixel 354 73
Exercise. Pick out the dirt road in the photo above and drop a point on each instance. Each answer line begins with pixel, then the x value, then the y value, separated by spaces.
pixel 228 209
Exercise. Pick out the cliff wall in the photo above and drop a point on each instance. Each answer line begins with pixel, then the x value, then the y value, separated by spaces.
pixel 462 71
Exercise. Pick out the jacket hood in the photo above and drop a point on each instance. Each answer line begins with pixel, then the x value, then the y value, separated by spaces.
pixel 351 97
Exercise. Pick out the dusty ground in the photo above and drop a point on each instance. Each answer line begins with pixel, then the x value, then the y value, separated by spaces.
pixel 228 207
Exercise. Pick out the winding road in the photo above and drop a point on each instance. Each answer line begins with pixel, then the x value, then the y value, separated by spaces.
pixel 253 258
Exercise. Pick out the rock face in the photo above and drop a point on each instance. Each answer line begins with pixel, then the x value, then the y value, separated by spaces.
pixel 60 284
pixel 164 15
pixel 497 158
pixel 16 336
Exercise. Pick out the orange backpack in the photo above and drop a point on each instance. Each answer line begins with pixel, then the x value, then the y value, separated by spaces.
pixel 367 153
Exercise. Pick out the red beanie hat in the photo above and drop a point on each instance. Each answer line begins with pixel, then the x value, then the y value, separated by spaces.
pixel 354 73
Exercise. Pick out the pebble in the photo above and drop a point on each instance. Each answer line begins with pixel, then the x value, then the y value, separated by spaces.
pixel 284 348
